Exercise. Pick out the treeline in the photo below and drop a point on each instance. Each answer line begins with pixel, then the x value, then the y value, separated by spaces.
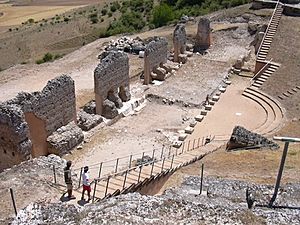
pixel 139 14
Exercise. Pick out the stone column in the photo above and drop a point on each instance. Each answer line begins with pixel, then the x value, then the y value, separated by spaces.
pixel 203 37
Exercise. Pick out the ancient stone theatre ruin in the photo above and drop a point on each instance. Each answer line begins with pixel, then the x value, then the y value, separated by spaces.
pixel 29 121
pixel 111 83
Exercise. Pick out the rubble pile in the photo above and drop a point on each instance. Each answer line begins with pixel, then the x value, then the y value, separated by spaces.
pixel 127 44
pixel 243 138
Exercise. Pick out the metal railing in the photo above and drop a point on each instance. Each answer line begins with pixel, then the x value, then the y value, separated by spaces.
pixel 260 71
pixel 266 33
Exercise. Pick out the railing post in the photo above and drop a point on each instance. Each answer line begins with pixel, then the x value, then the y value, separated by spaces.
pixel 152 168
pixel 79 183
pixel 188 145
pixel 170 151
pixel 117 163
pixel 107 183
pixel 100 169
pixel 140 173
pixel 94 193
pixel 54 174
pixel 125 179
pixel 153 154
pixel 162 152
pixel 202 142
pixel 162 165
pixel 176 151
pixel 172 162
pixel 194 144
pixel 13 200
pixel 198 143
pixel 201 181
pixel 182 150
pixel 130 159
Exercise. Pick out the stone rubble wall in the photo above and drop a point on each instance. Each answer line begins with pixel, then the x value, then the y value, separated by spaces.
pixel 111 80
pixel 156 54
pixel 15 145
pixel 64 139
pixel 54 107
pixel 55 104
pixel 203 36
pixel 179 41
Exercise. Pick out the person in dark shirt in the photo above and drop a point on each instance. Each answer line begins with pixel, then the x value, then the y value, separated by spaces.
pixel 68 179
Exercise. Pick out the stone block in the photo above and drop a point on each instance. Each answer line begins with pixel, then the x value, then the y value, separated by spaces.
pixel 189 130
pixel 109 109
pixel 182 137
pixel 215 98
pixel 203 112
pixel 182 58
pixel 222 89
pixel 177 144
pixel 160 73
pixel 208 107
pixel 211 102
pixel 189 54
pixel 199 118
pixel 193 123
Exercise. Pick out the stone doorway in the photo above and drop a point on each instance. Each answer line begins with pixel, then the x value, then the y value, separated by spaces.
pixel 38 135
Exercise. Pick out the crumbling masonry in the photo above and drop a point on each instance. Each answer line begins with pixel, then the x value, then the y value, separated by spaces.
pixel 28 122
pixel 203 37
pixel 179 42
pixel 111 83
pixel 155 56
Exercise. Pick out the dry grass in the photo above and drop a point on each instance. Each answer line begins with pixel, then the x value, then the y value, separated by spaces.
pixel 258 166
pixel 15 15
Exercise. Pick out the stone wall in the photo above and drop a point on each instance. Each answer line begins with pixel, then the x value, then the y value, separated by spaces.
pixel 155 55
pixel 15 145
pixel 179 41
pixel 203 37
pixel 111 83
pixel 28 119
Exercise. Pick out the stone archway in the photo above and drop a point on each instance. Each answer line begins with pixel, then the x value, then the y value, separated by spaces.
pixel 38 135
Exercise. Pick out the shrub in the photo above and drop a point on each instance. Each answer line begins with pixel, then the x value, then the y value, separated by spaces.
pixel 161 15
pixel 94 20
pixel 47 57
pixel 104 12
pixel 110 14
pixel 66 19
pixel 30 20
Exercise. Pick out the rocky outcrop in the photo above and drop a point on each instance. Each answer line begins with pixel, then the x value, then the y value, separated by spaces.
pixel 225 203
pixel 243 138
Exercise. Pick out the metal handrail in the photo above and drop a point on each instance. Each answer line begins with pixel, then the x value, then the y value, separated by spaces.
pixel 275 9
pixel 259 72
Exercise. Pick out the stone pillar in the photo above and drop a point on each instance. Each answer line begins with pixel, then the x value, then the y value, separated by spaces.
pixel 179 41
pixel 203 37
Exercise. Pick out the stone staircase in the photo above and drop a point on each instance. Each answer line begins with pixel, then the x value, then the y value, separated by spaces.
pixel 272 108
pixel 289 93
pixel 264 75
pixel 270 32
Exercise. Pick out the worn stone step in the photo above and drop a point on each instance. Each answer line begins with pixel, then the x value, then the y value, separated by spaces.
pixel 261 79
pixel 203 112
pixel 222 89
pixel 199 118
pixel 256 85
pixel 182 137
pixel 208 107
pixel 215 98
pixel 259 82
pixel 294 90
pixel 189 130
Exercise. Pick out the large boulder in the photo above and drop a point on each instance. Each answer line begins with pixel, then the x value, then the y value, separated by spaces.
pixel 243 138
pixel 109 109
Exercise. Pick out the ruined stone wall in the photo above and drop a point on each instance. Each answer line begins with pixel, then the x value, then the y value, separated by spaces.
pixel 155 54
pixel 15 145
pixel 55 104
pixel 28 119
pixel 179 41
pixel 203 37
pixel 111 83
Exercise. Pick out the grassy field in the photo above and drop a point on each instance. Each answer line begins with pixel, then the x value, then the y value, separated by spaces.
pixel 16 15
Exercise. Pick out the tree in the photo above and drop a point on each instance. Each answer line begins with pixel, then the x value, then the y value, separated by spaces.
pixel 162 14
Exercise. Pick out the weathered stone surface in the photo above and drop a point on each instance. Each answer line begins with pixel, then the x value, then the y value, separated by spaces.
pixel 179 41
pixel 109 109
pixel 126 44
pixel 224 203
pixel 160 73
pixel 88 121
pixel 110 77
pixel 65 138
pixel 182 58
pixel 30 118
pixel 242 138
pixel 203 37
pixel 90 107
pixel 155 55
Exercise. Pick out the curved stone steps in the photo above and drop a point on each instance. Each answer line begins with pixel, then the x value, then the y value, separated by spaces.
pixel 269 114
pixel 275 112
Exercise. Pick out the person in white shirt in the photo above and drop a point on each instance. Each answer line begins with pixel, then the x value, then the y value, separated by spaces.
pixel 86 183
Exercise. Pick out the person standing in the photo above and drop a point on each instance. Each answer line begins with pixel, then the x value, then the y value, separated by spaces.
pixel 86 183
pixel 68 179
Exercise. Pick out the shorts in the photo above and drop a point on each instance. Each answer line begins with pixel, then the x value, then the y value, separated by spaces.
pixel 69 186
pixel 86 188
